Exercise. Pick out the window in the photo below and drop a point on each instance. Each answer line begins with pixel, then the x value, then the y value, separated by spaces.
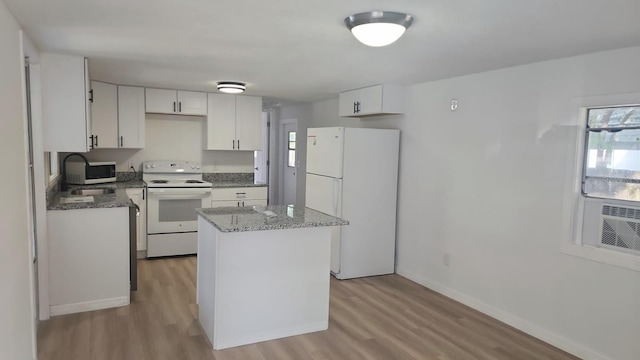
pixel 604 222
pixel 291 153
pixel 612 153
pixel 51 166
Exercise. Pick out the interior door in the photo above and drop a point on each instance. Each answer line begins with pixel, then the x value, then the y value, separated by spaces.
pixel 325 149
pixel 289 163
pixel 260 157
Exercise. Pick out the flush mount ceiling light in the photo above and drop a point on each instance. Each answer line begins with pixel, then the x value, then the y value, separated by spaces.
pixel 378 28
pixel 231 87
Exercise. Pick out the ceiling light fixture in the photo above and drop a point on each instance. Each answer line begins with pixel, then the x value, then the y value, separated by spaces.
pixel 378 28
pixel 231 87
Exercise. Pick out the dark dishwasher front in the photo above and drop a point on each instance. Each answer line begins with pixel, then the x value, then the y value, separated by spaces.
pixel 134 212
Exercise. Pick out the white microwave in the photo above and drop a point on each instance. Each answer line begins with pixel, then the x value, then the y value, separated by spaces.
pixel 96 173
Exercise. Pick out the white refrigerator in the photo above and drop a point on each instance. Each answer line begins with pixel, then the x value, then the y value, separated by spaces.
pixel 352 173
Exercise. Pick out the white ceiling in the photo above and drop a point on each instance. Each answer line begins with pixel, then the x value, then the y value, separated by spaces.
pixel 295 50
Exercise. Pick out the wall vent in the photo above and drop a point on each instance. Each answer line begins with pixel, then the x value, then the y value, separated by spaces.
pixel 620 228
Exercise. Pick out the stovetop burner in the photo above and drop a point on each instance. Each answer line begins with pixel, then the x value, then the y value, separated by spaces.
pixel 159 181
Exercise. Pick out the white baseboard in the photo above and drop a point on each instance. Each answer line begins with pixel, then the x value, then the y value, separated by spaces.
pixel 89 306
pixel 224 343
pixel 506 318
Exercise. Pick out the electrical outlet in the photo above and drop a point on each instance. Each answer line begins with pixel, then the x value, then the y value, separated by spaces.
pixel 131 165
pixel 447 259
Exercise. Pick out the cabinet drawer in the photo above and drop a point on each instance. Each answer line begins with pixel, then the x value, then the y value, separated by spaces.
pixel 243 193
pixel 238 203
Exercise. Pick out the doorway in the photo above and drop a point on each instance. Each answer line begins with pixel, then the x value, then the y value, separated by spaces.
pixel 33 233
pixel 288 161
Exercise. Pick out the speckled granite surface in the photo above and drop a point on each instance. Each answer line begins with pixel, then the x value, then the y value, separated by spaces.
pixel 118 199
pixel 126 180
pixel 233 219
pixel 222 180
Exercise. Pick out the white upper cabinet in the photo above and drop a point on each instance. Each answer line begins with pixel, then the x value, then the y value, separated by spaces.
pixel 117 116
pixel 221 122
pixel 104 115
pixel 131 117
pixel 372 101
pixel 66 108
pixel 192 103
pixel 164 101
pixel 248 123
pixel 234 122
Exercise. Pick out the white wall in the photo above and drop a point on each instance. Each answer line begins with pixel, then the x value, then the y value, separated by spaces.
pixel 174 137
pixel 16 317
pixel 486 184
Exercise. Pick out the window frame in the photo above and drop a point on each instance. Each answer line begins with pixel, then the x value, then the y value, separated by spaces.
pixel 289 149
pixel 574 199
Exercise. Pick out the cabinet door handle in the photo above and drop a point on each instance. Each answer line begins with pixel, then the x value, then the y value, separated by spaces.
pixel 238 144
pixel 121 141
pixel 234 144
pixel 96 140
pixel 238 203
pixel 91 146
pixel 243 204
pixel 91 96
pixel 180 106
pixel 142 194
pixel 174 106
pixel 358 106
pixel 354 107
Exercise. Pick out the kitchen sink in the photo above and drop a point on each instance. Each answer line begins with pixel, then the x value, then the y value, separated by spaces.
pixel 95 191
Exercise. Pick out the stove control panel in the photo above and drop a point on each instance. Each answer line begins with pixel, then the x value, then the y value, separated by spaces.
pixel 170 166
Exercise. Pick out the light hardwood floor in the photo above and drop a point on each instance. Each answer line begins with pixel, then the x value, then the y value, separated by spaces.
pixel 384 317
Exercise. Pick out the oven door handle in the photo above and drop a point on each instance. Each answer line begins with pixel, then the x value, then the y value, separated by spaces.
pixel 180 197
pixel 181 193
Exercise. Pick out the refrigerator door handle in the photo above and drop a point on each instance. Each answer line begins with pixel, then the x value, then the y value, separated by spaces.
pixel 336 186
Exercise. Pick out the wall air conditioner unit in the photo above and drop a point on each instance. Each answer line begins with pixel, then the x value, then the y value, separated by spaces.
pixel 620 228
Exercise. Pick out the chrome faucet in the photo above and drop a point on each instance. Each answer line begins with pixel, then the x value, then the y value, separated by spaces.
pixel 63 184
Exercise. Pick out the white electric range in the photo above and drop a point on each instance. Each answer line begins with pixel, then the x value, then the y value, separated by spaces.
pixel 175 190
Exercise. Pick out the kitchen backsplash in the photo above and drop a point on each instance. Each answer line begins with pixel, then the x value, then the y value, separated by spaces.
pixel 228 177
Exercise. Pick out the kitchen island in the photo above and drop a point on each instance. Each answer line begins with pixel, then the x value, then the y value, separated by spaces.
pixel 263 272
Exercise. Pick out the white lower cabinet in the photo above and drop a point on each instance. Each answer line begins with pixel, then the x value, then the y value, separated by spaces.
pixel 239 197
pixel 139 198
pixel 88 259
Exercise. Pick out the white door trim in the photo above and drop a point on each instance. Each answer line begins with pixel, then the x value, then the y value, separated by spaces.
pixel 283 156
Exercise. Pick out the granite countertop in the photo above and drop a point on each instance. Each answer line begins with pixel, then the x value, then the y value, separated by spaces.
pixel 225 180
pixel 128 180
pixel 274 217
pixel 232 184
pixel 118 199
